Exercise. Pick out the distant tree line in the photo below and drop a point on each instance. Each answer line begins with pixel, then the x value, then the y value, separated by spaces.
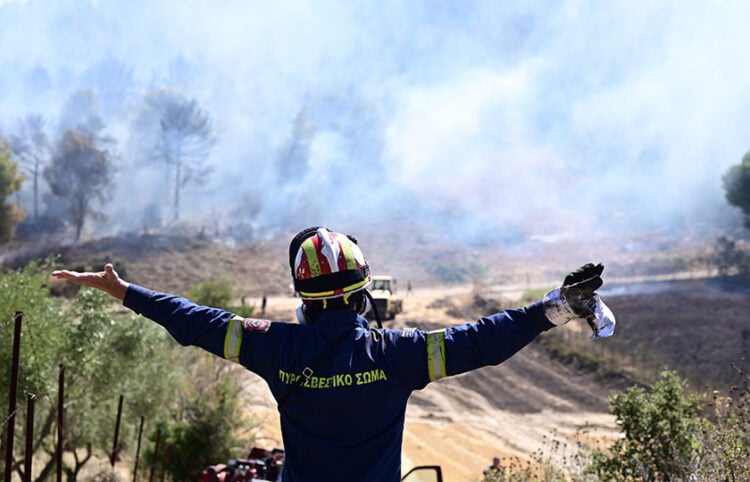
pixel 150 143
pixel 72 167
pixel 68 166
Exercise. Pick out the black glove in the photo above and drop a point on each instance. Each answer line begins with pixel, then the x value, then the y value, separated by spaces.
pixel 588 273
pixel 579 291
pixel 577 297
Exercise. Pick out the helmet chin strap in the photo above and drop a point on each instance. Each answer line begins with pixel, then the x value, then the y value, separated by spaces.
pixel 369 301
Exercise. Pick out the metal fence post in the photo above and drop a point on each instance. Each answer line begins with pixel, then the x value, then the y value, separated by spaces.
pixel 113 455
pixel 60 421
pixel 138 450
pixel 30 397
pixel 13 395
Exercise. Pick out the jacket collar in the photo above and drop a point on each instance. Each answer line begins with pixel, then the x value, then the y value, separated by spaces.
pixel 330 319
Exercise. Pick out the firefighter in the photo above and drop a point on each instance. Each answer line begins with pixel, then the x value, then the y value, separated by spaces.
pixel 341 387
pixel 494 472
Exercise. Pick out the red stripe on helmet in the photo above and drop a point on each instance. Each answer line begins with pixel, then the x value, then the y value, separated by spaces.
pixel 303 268
pixel 325 266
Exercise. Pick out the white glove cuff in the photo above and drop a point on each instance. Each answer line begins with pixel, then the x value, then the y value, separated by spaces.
pixel 556 309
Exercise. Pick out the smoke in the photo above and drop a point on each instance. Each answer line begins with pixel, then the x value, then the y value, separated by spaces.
pixel 485 117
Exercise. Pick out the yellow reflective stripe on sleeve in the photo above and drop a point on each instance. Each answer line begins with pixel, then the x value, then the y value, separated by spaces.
pixel 436 354
pixel 312 257
pixel 233 340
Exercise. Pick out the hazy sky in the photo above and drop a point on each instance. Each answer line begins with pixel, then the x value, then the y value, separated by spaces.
pixel 545 116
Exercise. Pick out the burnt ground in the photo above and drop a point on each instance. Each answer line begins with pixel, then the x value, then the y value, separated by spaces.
pixel 699 328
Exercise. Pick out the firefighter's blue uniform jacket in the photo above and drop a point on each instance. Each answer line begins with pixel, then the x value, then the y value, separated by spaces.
pixel 346 422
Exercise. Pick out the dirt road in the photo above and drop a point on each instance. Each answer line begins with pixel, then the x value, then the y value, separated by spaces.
pixel 526 406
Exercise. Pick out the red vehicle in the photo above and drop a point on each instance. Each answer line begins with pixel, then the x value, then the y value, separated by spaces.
pixel 260 465
pixel 266 465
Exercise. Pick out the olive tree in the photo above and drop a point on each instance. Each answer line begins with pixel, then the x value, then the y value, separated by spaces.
pixel 105 354
pixel 10 182
pixel 79 174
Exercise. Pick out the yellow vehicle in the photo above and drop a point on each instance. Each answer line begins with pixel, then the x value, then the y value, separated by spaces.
pixel 383 291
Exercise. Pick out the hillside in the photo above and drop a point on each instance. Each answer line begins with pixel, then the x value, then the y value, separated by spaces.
pixel 697 326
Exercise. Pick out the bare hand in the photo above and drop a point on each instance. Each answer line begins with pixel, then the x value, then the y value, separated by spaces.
pixel 108 280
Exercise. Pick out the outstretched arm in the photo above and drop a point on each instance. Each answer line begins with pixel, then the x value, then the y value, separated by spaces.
pixel 187 322
pixel 108 280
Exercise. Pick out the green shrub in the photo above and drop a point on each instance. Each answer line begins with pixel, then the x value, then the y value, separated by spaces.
pixel 729 256
pixel 727 439
pixel 215 292
pixel 662 430
pixel 245 311
pixel 204 431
